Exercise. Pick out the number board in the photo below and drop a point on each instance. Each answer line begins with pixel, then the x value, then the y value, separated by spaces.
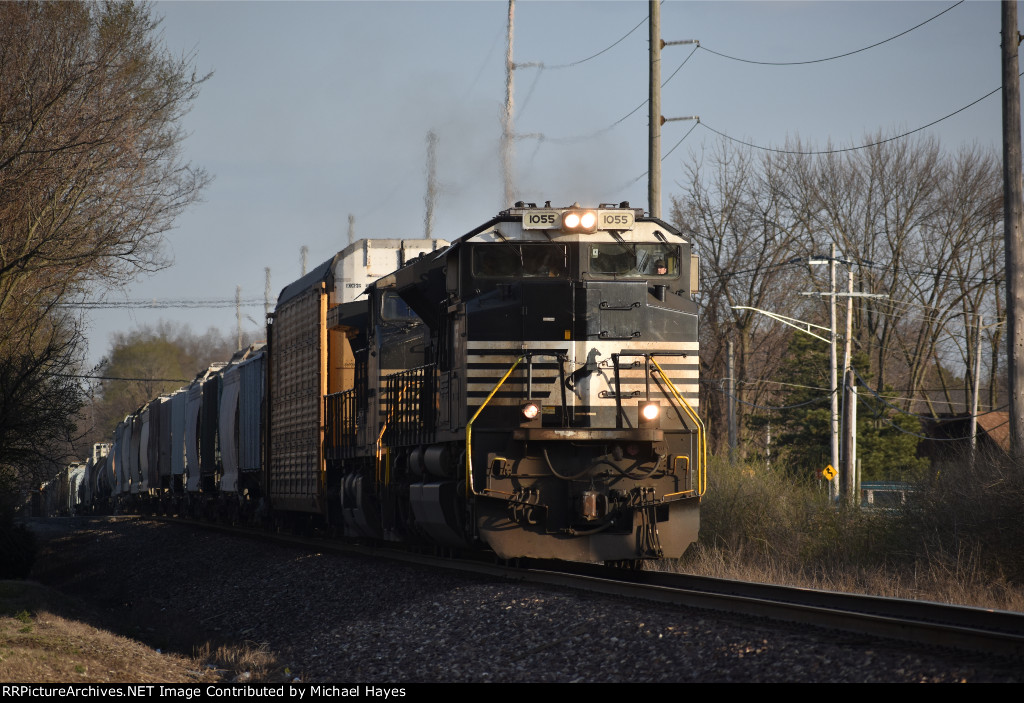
pixel 552 219
pixel 542 219
pixel 615 219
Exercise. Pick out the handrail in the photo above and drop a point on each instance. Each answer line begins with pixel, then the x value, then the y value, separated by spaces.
pixel 380 439
pixel 469 429
pixel 702 449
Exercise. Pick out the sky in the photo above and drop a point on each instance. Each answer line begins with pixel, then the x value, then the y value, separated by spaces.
pixel 320 110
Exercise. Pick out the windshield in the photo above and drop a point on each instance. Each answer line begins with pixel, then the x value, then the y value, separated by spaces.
pixel 394 308
pixel 626 259
pixel 519 260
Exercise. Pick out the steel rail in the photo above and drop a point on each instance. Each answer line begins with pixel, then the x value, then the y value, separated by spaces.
pixel 923 622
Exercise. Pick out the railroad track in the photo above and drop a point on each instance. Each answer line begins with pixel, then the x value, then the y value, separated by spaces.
pixel 978 630
pixel 932 624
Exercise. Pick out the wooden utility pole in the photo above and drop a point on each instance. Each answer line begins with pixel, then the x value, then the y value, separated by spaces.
pixel 654 113
pixel 1012 207
pixel 833 380
pixel 849 443
pixel 731 402
pixel 975 390
pixel 851 491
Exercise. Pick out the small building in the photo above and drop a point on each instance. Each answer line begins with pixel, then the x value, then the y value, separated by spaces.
pixel 951 435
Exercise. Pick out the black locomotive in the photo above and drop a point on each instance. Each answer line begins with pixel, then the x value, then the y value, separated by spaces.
pixel 532 387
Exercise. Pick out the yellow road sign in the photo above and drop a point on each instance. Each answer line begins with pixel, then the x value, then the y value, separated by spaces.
pixel 828 472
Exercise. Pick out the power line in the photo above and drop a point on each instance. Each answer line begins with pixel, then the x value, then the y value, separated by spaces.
pixel 680 141
pixel 772 407
pixel 932 439
pixel 910 414
pixel 592 135
pixel 796 261
pixel 837 56
pixel 935 271
pixel 665 82
pixel 160 304
pixel 783 383
pixel 577 63
pixel 541 66
pixel 120 378
pixel 851 148
pixel 924 271
pixel 627 185
pixel 613 125
pixel 878 416
pixel 790 151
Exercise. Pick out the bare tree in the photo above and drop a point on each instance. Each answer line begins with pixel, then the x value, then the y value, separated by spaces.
pixel 90 169
pixel 90 135
pixel 733 208
pixel 918 225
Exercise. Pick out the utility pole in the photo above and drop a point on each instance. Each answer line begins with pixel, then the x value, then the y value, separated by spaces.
pixel 238 315
pixel 1012 209
pixel 304 255
pixel 976 384
pixel 974 392
pixel 846 476
pixel 849 470
pixel 833 423
pixel 266 292
pixel 849 443
pixel 851 494
pixel 833 380
pixel 731 402
pixel 507 166
pixel 654 117
pixel 654 113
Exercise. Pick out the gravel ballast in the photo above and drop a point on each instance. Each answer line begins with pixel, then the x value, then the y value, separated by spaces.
pixel 331 618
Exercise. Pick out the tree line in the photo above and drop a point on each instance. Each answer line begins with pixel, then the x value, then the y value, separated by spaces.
pixel 144 363
pixel 917 224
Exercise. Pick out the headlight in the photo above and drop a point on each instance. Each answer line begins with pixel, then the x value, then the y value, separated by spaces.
pixel 649 413
pixel 530 410
pixel 579 221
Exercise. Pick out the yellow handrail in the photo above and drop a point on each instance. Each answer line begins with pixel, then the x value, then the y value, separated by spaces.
pixel 702 448
pixel 380 440
pixel 469 429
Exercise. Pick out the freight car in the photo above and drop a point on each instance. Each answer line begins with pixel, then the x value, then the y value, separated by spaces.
pixel 78 488
pixel 530 389
pixel 200 451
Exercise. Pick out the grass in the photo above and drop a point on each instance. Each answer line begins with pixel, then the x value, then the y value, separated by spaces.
pixel 250 660
pixel 957 540
pixel 44 637
pixel 49 635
